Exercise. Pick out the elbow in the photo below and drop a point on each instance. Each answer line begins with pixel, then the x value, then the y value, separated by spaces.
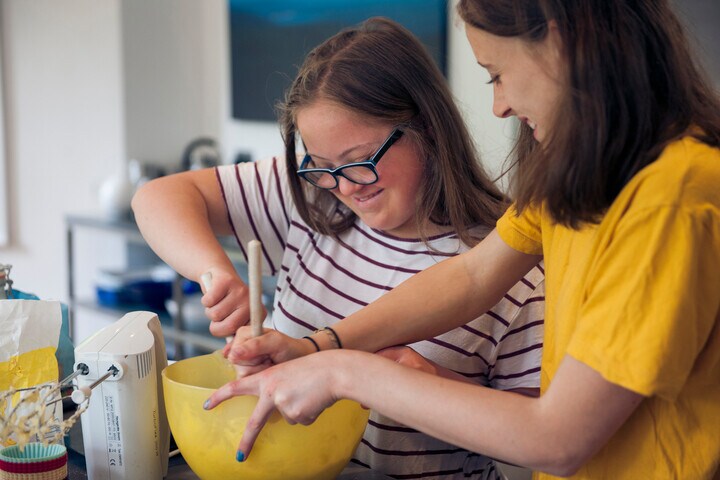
pixel 566 468
pixel 563 462
pixel 141 197
pixel 136 200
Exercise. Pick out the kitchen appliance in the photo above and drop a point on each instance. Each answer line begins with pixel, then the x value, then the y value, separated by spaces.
pixel 125 429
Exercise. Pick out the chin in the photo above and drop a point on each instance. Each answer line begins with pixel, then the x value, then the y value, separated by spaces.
pixel 376 225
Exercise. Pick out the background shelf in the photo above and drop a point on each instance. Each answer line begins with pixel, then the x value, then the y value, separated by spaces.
pixel 186 334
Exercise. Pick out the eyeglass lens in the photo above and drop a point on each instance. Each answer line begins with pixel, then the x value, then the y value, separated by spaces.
pixel 360 174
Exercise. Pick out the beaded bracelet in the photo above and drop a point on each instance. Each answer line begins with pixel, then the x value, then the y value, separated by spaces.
pixel 333 336
pixel 317 347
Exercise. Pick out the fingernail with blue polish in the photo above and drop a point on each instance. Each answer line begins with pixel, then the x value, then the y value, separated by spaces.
pixel 206 405
pixel 240 456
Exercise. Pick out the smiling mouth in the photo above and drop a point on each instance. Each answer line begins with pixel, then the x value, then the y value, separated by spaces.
pixel 529 123
pixel 365 198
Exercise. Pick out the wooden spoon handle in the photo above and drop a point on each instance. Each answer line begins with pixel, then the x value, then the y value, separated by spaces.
pixel 255 281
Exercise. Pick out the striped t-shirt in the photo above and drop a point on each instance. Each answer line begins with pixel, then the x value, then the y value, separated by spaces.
pixel 321 280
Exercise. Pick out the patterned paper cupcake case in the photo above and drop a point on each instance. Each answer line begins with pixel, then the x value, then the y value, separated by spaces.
pixel 35 462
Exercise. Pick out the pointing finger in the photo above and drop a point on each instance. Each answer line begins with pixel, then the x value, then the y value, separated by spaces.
pixel 255 424
pixel 244 386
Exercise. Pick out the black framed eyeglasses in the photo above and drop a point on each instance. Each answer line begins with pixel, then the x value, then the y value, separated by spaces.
pixel 362 173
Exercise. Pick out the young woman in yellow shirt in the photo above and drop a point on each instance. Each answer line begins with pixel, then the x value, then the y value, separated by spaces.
pixel 618 189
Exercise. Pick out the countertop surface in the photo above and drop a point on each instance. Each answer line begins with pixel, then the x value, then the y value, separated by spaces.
pixel 177 468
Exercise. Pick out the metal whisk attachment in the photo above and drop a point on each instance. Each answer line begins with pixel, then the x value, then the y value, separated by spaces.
pixel 5 282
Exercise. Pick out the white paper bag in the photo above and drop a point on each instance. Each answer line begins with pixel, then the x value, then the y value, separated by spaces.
pixel 29 333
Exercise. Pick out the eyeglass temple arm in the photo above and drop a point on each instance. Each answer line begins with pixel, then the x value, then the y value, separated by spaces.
pixel 394 136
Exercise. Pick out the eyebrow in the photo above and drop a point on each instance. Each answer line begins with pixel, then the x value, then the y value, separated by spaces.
pixel 344 154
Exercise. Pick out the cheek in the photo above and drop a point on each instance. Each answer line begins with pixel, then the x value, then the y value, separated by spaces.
pixel 405 177
pixel 408 190
pixel 415 178
pixel 544 99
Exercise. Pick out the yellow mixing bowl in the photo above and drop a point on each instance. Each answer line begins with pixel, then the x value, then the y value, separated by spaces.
pixel 208 439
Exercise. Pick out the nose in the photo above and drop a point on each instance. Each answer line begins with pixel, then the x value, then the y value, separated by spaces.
pixel 346 187
pixel 501 109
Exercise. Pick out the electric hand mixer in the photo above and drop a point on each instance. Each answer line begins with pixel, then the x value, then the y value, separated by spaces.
pixel 125 429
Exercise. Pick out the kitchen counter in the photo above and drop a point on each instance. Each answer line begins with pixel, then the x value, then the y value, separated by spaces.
pixel 177 468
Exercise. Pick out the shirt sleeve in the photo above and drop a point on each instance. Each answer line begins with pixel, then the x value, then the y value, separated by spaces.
pixel 522 232
pixel 650 300
pixel 259 206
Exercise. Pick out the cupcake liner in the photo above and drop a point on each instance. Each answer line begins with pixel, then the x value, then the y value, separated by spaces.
pixel 57 474
pixel 32 453
pixel 35 467
pixel 34 462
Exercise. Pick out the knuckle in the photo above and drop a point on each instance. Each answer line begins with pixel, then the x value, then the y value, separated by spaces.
pixel 296 414
pixel 241 371
pixel 213 314
pixel 232 387
pixel 281 400
pixel 253 424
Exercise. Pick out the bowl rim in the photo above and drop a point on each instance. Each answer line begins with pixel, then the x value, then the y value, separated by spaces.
pixel 166 376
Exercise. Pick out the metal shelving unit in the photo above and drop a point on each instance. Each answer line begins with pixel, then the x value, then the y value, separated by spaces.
pixel 174 326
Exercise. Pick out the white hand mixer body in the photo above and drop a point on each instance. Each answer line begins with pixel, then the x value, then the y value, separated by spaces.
pixel 125 429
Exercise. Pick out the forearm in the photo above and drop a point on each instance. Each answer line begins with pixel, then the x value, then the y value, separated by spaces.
pixel 175 219
pixel 555 433
pixel 498 424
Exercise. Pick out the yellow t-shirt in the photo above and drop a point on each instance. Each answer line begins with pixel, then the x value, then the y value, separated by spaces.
pixel 637 298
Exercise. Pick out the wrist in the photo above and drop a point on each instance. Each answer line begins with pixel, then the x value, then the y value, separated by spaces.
pixel 293 348
pixel 326 339
pixel 341 374
pixel 346 381
pixel 314 346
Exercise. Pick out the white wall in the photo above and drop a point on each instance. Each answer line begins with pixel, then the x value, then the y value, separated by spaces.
pixel 172 62
pixel 90 85
pixel 468 82
pixel 4 225
pixel 63 126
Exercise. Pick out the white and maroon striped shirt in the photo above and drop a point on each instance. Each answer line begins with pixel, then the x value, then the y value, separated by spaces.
pixel 321 280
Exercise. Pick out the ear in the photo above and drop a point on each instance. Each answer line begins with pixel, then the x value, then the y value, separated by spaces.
pixel 554 51
pixel 553 42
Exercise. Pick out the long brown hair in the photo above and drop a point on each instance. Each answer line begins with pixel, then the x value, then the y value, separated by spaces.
pixel 380 71
pixel 634 87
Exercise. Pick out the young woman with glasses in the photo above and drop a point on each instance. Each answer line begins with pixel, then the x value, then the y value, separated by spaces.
pixel 618 189
pixel 379 181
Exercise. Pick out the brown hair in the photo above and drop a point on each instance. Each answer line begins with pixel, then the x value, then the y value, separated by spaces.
pixel 380 71
pixel 634 87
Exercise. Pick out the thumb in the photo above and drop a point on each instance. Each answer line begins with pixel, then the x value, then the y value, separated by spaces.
pixel 246 349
